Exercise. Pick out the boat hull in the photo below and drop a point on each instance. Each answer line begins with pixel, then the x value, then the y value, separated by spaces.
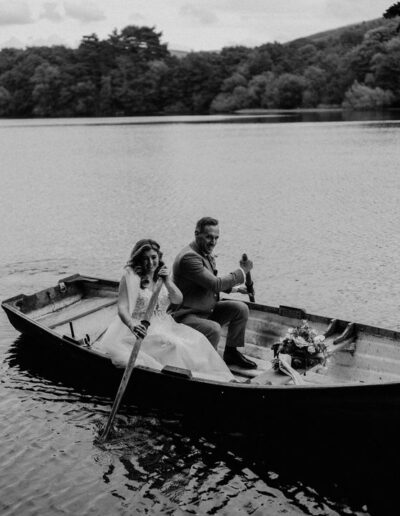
pixel 228 406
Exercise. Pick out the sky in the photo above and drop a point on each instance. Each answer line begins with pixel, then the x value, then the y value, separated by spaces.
pixel 185 24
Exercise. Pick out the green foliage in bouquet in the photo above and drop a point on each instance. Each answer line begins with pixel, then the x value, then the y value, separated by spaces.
pixel 304 345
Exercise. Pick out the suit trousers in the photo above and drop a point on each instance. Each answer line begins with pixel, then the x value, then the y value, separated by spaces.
pixel 233 313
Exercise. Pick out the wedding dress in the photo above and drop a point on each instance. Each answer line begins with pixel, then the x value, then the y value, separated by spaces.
pixel 167 342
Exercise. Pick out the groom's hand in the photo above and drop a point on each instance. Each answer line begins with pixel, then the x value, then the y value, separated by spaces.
pixel 246 265
pixel 240 289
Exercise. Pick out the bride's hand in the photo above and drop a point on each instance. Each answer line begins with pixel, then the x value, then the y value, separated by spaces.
pixel 163 273
pixel 174 294
pixel 139 331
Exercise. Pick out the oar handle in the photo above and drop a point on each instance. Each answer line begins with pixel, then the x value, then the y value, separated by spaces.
pixel 131 362
pixel 249 282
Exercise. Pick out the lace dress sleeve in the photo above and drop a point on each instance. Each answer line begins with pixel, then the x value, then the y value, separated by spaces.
pixel 132 281
pixel 163 302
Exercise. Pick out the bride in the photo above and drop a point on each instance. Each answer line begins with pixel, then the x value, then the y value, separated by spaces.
pixel 166 342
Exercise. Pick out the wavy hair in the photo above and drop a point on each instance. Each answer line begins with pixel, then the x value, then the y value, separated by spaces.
pixel 136 259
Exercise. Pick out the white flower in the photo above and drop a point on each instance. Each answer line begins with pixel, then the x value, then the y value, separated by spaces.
pixel 311 350
pixel 319 338
pixel 300 342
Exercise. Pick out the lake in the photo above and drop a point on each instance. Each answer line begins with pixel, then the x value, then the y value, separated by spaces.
pixel 313 200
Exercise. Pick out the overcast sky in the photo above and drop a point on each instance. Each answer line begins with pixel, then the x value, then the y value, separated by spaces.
pixel 185 24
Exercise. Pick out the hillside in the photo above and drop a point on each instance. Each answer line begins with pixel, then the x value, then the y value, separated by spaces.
pixel 340 32
pixel 353 31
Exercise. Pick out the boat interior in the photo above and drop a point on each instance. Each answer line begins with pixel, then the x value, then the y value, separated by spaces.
pixel 80 309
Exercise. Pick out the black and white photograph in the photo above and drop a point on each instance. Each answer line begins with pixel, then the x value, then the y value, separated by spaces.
pixel 199 257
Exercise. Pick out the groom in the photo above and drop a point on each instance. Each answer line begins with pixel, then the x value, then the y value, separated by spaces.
pixel 196 276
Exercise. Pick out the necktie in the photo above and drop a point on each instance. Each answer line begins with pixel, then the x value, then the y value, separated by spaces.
pixel 211 261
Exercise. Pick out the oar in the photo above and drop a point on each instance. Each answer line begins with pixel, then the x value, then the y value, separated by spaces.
pixel 131 362
pixel 249 281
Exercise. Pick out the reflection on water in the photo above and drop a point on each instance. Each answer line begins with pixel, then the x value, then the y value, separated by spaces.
pixel 240 117
pixel 316 207
pixel 161 462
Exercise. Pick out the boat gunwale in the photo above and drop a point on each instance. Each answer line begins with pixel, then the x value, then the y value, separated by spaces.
pixel 258 307
pixel 373 330
pixel 228 385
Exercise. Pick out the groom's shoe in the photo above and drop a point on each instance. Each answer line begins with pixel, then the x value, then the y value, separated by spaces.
pixel 233 357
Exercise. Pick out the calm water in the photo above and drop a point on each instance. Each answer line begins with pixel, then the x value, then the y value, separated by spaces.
pixel 315 204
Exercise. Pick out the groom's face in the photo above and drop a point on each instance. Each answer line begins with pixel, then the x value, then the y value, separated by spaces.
pixel 207 239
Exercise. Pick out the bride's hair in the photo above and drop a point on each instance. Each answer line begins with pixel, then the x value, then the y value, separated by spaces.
pixel 135 261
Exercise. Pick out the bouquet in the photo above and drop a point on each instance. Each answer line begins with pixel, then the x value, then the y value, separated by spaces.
pixel 304 345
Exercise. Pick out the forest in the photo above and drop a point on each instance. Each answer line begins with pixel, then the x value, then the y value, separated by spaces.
pixel 133 73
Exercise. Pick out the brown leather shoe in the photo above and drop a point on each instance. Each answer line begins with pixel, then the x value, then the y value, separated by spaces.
pixel 233 357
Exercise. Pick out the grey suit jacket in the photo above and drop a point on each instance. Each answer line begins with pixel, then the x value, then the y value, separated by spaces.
pixel 194 276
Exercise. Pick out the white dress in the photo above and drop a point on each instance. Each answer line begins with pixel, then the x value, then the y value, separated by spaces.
pixel 167 342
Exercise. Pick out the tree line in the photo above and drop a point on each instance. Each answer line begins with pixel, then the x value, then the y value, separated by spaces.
pixel 132 72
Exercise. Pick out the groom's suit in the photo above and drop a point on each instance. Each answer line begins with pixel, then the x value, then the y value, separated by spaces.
pixel 195 275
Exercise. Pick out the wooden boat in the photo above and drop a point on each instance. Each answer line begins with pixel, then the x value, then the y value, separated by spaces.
pixel 361 380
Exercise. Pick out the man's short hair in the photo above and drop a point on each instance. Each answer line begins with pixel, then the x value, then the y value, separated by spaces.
pixel 205 221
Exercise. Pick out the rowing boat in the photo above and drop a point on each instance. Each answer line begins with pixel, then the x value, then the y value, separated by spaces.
pixel 360 381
